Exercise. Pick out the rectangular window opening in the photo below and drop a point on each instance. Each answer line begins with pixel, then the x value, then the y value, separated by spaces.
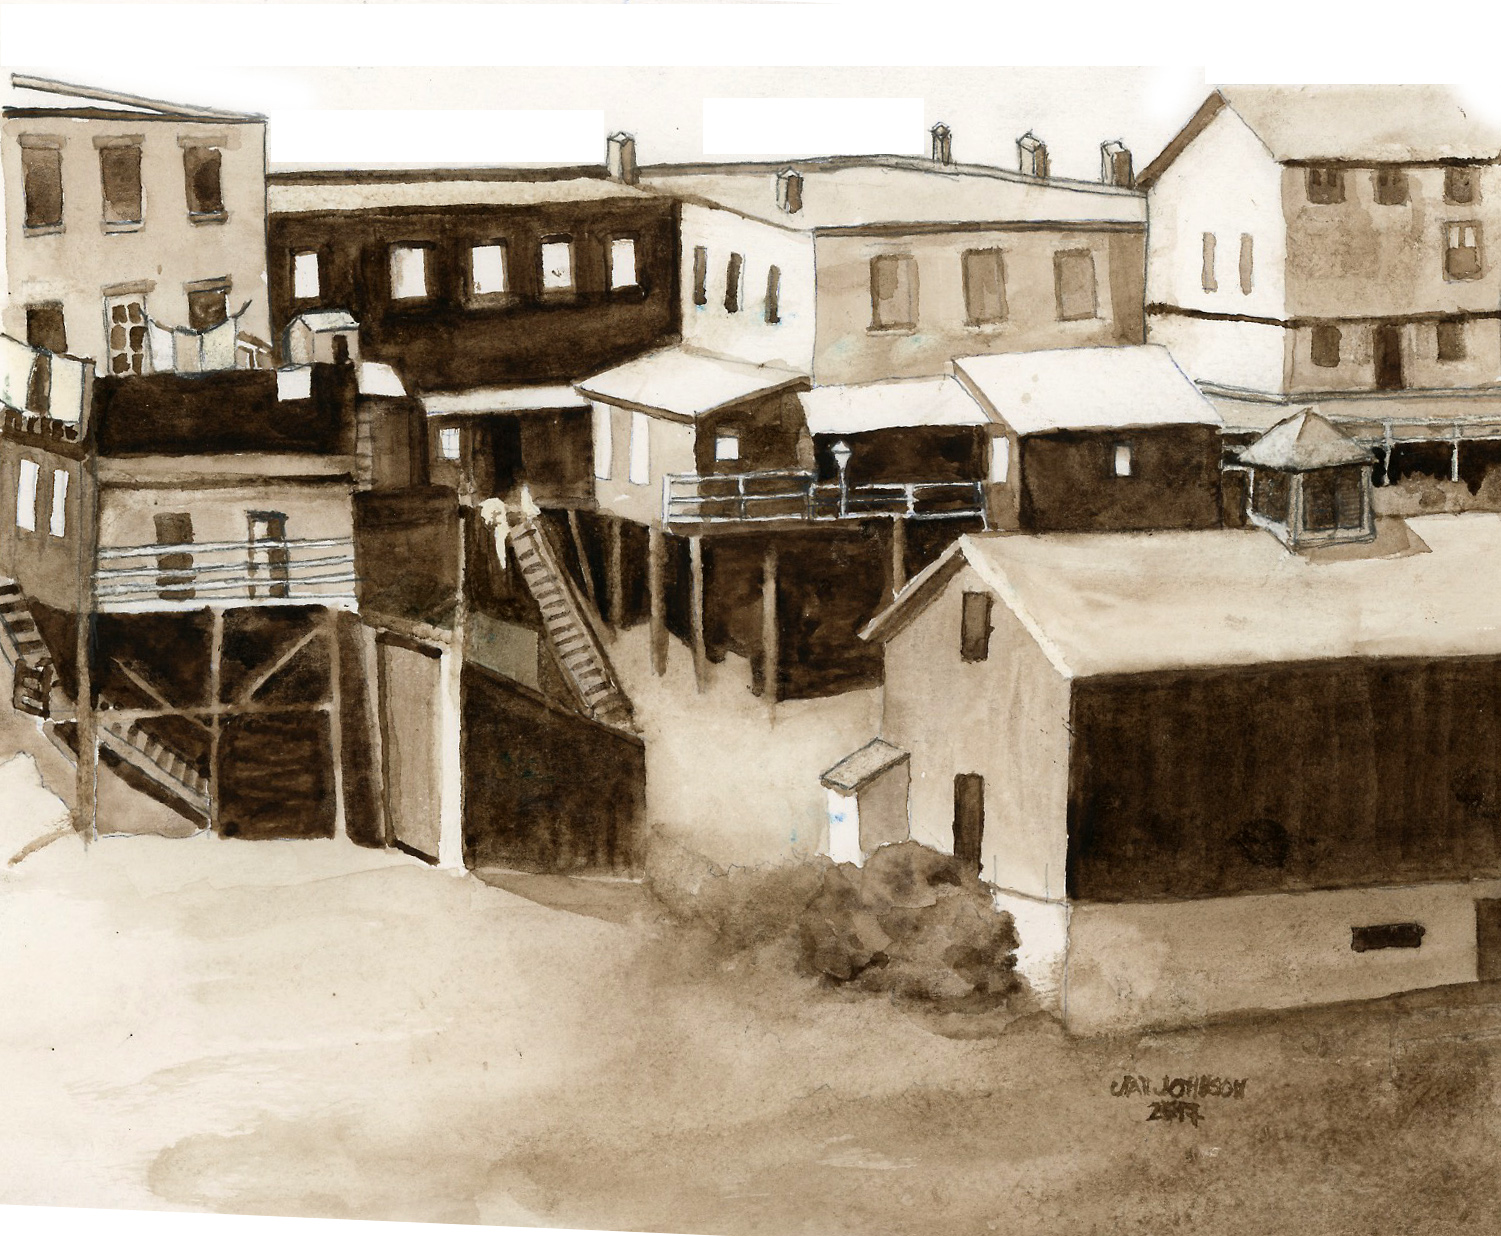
pixel 488 274
pixel 1391 186
pixel 984 274
pixel 773 295
pixel 1000 460
pixel 1122 460
pixel 974 636
pixel 727 447
pixel 734 276
pixel 306 284
pixel 1326 186
pixel 42 178
pixel 1247 262
pixel 700 275
pixel 1325 346
pixel 1451 339
pixel 58 524
pixel 893 292
pixel 1387 935
pixel 557 265
pixel 408 272
pixel 1074 284
pixel 1210 283
pixel 26 486
pixel 1462 258
pixel 1459 185
pixel 448 442
pixel 120 177
pixel 203 178
pixel 623 272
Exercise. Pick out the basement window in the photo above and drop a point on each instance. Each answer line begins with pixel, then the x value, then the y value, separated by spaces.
pixel 1387 935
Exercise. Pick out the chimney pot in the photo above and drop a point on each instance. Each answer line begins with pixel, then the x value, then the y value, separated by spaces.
pixel 1032 154
pixel 790 191
pixel 1115 165
pixel 620 158
pixel 943 144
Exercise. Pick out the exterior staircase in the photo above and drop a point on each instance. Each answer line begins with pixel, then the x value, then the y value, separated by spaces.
pixel 21 642
pixel 154 760
pixel 570 635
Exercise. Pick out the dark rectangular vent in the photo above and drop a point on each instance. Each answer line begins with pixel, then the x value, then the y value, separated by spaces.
pixel 1387 935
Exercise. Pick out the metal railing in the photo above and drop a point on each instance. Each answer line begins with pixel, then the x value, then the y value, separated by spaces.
pixel 196 574
pixel 778 497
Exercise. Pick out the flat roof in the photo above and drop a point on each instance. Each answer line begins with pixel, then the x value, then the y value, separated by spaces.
pixel 1108 603
pixel 854 193
pixel 861 767
pixel 1085 388
pixel 385 193
pixel 492 399
pixel 898 404
pixel 685 384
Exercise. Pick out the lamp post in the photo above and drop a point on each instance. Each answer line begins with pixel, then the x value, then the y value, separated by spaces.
pixel 842 452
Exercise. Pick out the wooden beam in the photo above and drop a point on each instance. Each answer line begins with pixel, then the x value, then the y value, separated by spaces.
pixel 771 656
pixel 278 665
pixel 696 611
pixel 336 724
pixel 898 555
pixel 656 555
pixel 578 547
pixel 617 584
pixel 215 660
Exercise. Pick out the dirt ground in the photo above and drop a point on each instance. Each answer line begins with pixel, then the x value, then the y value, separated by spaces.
pixel 308 1028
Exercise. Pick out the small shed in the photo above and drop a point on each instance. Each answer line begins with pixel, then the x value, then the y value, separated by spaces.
pixel 867 801
pixel 1310 484
pixel 328 336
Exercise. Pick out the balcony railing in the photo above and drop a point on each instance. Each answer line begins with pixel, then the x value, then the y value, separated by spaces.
pixel 780 497
pixel 193 575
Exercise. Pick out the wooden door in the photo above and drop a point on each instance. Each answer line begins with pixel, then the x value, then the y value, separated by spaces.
pixel 1388 349
pixel 126 326
pixel 410 685
pixel 969 818
pixel 1488 939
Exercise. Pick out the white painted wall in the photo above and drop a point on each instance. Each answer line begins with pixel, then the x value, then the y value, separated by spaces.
pixel 1175 963
pixel 1245 356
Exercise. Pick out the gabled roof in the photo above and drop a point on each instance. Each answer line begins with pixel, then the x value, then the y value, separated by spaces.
pixel 1108 603
pixel 67 98
pixel 1303 442
pixel 684 384
pixel 1085 388
pixel 1374 124
pixel 898 404
pixel 856 771
pixel 849 194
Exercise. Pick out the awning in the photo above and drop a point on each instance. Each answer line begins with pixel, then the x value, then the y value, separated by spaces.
pixel 492 400
pixel 685 384
pixel 853 773
pixel 890 405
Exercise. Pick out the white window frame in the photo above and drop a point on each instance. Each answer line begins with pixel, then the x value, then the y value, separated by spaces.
pixel 563 281
pixel 58 524
pixel 640 449
pixel 726 447
pixel 604 442
pixel 490 274
pixel 624 272
pixel 408 272
pixel 1123 459
pixel 307 279
pixel 26 486
pixel 450 444
pixel 1000 459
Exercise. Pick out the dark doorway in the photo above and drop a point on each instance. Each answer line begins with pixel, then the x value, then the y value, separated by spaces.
pixel 1488 939
pixel 969 818
pixel 1388 349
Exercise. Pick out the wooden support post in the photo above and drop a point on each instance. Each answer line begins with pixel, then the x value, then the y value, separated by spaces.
pixel 898 555
pixel 656 554
pixel 771 657
pixel 336 724
pixel 215 656
pixel 578 547
pixel 1386 453
pixel 86 721
pixel 1454 454
pixel 451 719
pixel 617 585
pixel 696 611
pixel 370 663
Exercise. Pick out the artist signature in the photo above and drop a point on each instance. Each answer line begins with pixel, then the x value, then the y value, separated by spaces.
pixel 1178 1100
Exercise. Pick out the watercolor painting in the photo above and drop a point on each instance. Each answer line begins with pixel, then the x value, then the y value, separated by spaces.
pixel 927 691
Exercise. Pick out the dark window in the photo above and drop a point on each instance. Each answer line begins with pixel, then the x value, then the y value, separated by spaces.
pixel 45 328
pixel 893 292
pixel 120 176
pixel 1206 275
pixel 1326 186
pixel 1073 284
pixel 1320 512
pixel 969 818
pixel 734 275
pixel 1451 339
pixel 1349 498
pixel 175 570
pixel 974 633
pixel 1391 186
pixel 202 167
pixel 1459 185
pixel 208 308
pixel 1269 495
pixel 700 275
pixel 774 294
pixel 1247 263
pixel 984 286
pixel 1462 251
pixel 1325 346
pixel 42 174
pixel 269 555
pixel 1387 935
pixel 39 386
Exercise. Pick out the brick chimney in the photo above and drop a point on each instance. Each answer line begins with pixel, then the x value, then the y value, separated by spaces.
pixel 790 191
pixel 1032 155
pixel 1115 165
pixel 620 158
pixel 943 144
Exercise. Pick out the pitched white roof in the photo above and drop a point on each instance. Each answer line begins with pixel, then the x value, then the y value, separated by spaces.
pixel 1304 441
pixel 326 319
pixel 897 404
pixel 483 400
pixel 1103 603
pixel 685 384
pixel 1085 388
